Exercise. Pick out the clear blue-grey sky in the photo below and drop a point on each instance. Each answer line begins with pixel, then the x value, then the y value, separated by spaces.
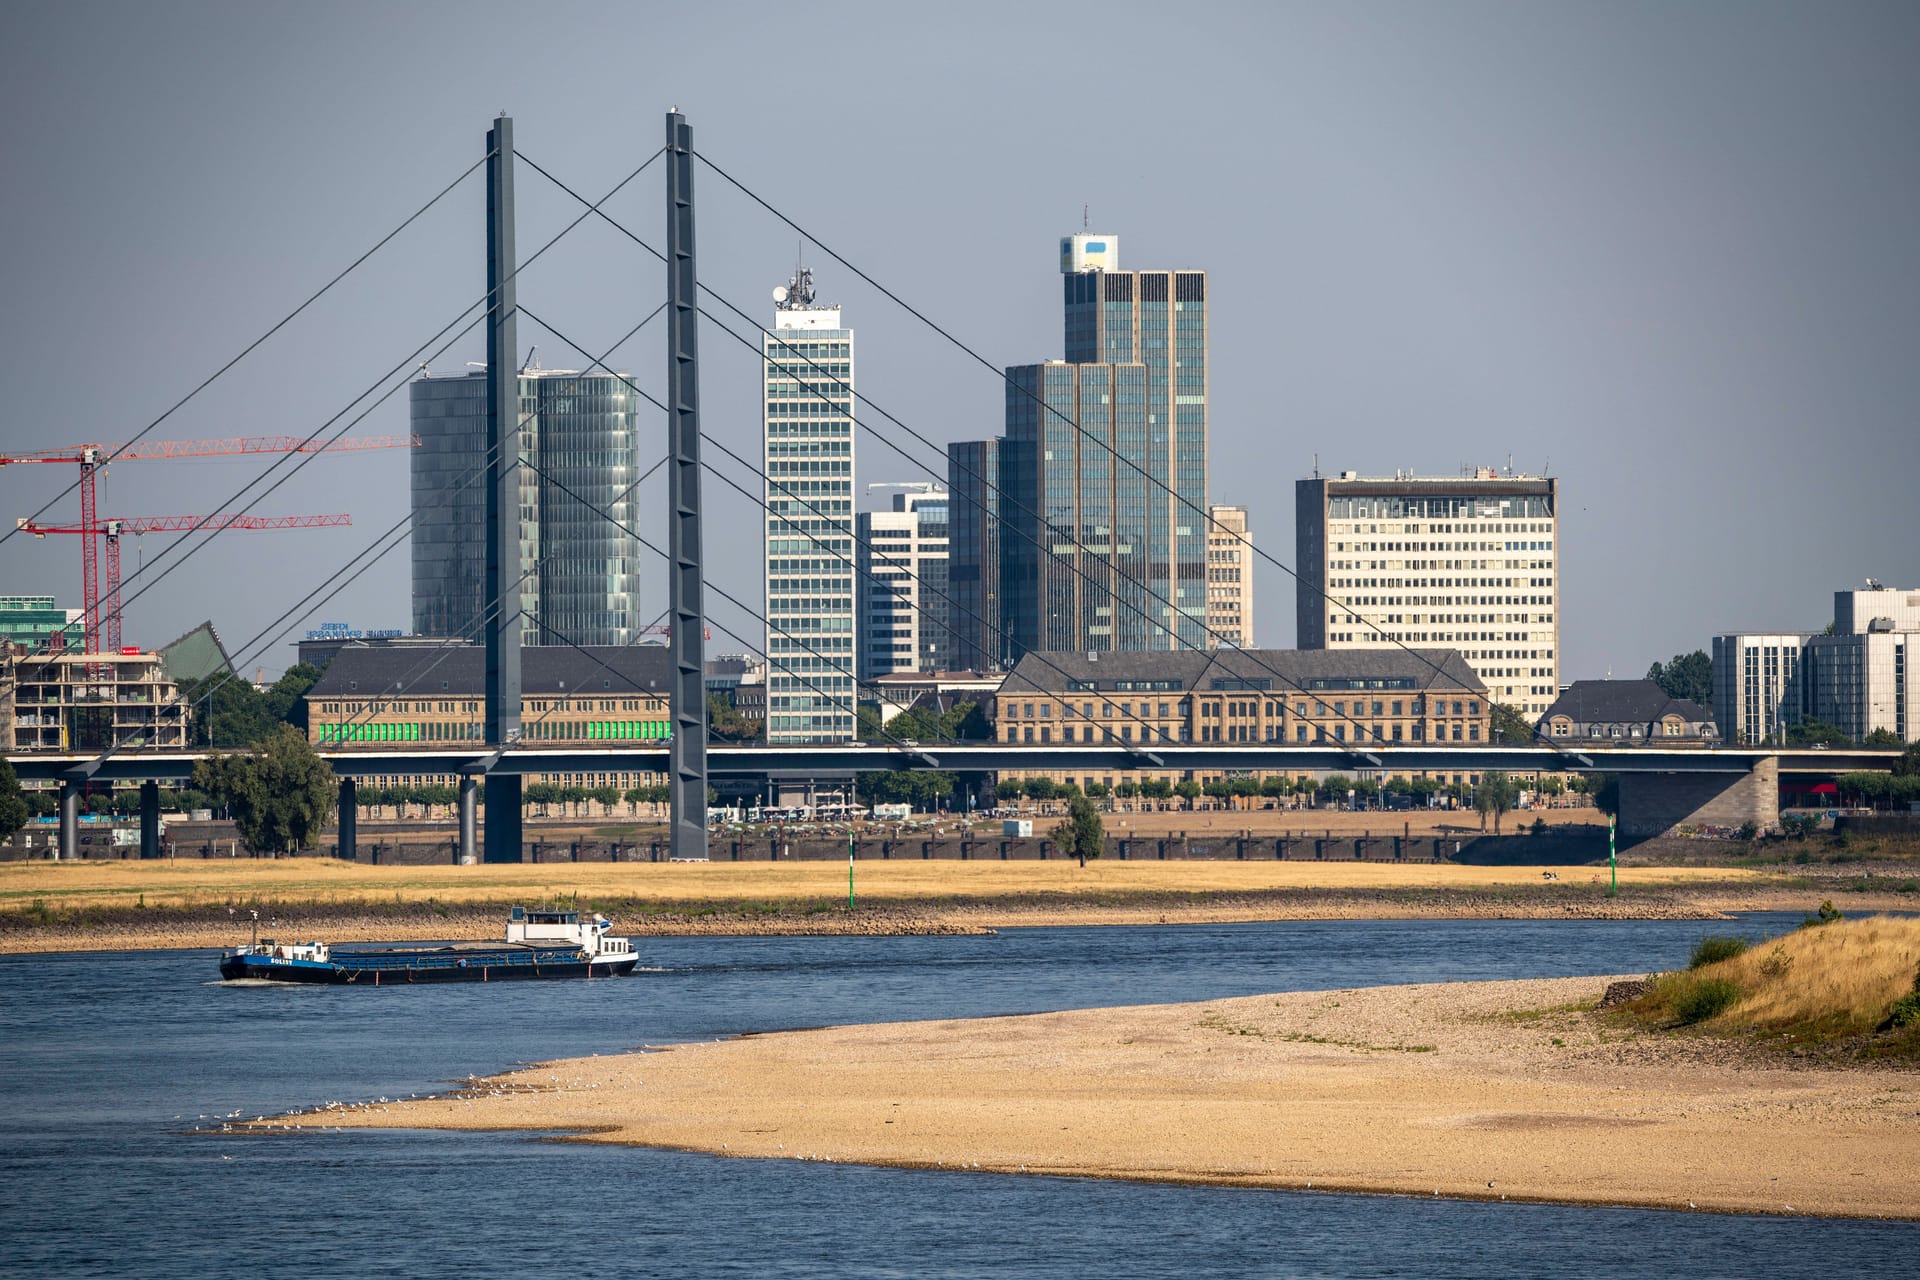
pixel 1667 251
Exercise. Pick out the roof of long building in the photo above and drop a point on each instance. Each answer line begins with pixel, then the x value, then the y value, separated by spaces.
pixel 460 671
pixel 1283 670
pixel 1623 702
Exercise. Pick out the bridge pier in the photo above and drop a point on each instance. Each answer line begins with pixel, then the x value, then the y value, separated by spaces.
pixel 469 789
pixel 349 821
pixel 149 820
pixel 69 819
pixel 1655 804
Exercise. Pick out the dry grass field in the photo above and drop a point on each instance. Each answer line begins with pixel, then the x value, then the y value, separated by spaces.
pixel 214 883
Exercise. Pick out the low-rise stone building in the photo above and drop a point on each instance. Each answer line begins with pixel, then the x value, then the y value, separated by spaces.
pixel 597 694
pixel 1625 713
pixel 1356 697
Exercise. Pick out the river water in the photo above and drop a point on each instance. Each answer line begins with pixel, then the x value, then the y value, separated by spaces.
pixel 106 1063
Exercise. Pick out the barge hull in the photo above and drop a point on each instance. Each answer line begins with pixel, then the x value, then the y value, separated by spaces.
pixel 391 975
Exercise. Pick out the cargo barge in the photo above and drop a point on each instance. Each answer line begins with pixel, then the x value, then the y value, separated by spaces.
pixel 539 944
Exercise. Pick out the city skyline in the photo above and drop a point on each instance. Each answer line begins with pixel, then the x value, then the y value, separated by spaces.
pixel 1421 286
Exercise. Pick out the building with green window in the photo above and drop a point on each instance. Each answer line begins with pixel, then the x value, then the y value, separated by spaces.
pixel 376 694
pixel 33 621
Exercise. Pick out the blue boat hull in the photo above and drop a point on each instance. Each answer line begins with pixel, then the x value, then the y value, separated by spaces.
pixel 400 968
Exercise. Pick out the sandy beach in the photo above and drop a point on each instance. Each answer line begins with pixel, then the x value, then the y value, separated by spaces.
pixel 47 906
pixel 1500 1090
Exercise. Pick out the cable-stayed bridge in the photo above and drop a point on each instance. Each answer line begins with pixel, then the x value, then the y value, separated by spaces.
pixel 492 770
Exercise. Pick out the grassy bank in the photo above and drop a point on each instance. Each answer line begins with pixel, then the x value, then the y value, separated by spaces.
pixel 1836 990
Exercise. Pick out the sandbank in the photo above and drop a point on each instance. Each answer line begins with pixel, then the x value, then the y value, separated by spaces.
pixel 1495 1090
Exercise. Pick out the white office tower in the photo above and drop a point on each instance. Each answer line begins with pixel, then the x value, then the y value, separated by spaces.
pixel 1229 579
pixel 1860 678
pixel 903 583
pixel 808 431
pixel 1468 562
pixel 1756 686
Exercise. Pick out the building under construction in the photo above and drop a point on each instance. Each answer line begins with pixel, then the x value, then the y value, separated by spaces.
pixel 71 701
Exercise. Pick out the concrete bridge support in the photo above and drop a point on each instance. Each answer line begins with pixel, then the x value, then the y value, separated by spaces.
pixel 149 820
pixel 349 821
pixel 1656 804
pixel 70 819
pixel 469 790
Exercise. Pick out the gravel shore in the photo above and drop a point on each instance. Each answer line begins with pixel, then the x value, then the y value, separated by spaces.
pixel 1497 1090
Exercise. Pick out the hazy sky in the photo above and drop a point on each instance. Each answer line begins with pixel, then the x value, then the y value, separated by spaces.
pixel 1667 251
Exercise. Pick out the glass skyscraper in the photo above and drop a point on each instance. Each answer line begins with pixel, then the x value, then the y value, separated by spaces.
pixel 582 583
pixel 1157 319
pixel 1075 519
pixel 808 433
pixel 973 555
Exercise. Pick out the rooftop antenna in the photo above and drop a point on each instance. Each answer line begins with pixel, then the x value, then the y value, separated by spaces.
pixel 1086 217
pixel 1316 464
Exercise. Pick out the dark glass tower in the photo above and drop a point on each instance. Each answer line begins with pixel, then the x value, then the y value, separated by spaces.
pixel 973 555
pixel 1075 520
pixel 582 583
pixel 1157 319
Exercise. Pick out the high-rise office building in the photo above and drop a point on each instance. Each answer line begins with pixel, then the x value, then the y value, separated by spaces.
pixel 808 426
pixel 973 556
pixel 1229 579
pixel 902 554
pixel 582 569
pixel 1085 526
pixel 1470 563
pixel 1157 319
pixel 1860 678
pixel 1756 686
pixel 1075 571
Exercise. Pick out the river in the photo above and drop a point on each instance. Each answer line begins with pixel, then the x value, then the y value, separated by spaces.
pixel 108 1064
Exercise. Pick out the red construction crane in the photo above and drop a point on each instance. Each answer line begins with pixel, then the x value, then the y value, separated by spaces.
pixel 93 458
pixel 102 616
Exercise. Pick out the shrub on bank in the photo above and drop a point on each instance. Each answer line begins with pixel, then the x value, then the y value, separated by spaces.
pixel 1701 998
pixel 1716 947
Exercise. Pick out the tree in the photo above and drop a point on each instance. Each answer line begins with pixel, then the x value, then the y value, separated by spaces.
pixel 605 797
pixel 1079 834
pixel 224 710
pixel 1156 788
pixel 1509 727
pixel 1908 765
pixel 1817 733
pixel 1882 738
pixel 280 793
pixel 13 804
pixel 1494 795
pixel 1126 790
pixel 1689 675
pixel 1187 789
pixel 1605 790
pixel 726 722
